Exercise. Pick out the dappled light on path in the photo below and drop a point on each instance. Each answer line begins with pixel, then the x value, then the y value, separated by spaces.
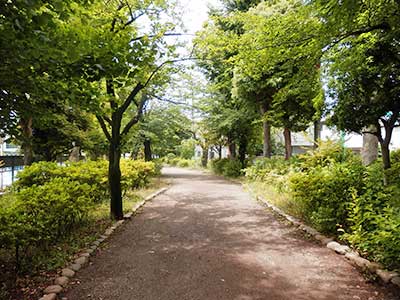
pixel 206 239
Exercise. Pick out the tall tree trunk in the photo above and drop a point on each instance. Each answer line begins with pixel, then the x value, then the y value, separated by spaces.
pixel 114 179
pixel 267 147
pixel 317 133
pixel 219 151
pixel 232 150
pixel 147 150
pixel 27 135
pixel 385 155
pixel 242 150
pixel 114 168
pixel 369 151
pixel 288 143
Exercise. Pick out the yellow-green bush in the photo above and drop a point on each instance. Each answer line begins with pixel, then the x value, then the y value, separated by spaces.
pixel 38 216
pixel 136 173
pixel 93 173
pixel 49 201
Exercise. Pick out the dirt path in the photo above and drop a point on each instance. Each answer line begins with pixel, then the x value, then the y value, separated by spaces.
pixel 205 239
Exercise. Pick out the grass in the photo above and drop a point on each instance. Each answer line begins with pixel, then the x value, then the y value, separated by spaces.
pixel 278 198
pixel 37 273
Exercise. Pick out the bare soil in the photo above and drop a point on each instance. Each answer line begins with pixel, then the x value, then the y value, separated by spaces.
pixel 205 238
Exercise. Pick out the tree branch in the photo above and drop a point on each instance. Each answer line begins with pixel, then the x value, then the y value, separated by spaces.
pixel 136 118
pixel 168 100
pixel 130 98
pixel 159 67
pixel 165 34
pixel 104 127
pixel 382 26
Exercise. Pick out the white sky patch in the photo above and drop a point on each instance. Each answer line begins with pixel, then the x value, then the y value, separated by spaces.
pixel 196 13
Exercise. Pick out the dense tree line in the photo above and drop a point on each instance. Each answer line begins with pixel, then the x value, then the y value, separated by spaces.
pixel 293 62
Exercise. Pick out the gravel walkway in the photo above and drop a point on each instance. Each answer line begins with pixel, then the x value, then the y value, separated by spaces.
pixel 206 239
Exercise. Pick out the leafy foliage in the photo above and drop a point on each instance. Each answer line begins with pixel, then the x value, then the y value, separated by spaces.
pixel 332 191
pixel 227 167
pixel 40 215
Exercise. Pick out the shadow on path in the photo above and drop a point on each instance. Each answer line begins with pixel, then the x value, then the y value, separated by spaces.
pixel 206 239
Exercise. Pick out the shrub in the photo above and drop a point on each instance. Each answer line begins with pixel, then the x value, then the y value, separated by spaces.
pixel 93 173
pixel 183 163
pixel 263 168
pixel 324 194
pixel 327 153
pixel 38 216
pixel 227 167
pixel 217 165
pixel 136 173
pixel 375 215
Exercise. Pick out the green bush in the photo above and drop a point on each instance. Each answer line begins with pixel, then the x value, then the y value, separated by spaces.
pixel 324 194
pixel 327 153
pixel 263 168
pixel 38 216
pixel 375 215
pixel 136 173
pixel 93 173
pixel 227 167
pixel 217 165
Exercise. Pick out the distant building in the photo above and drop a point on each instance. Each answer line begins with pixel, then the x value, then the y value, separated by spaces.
pixel 8 148
pixel 303 141
pixel 212 152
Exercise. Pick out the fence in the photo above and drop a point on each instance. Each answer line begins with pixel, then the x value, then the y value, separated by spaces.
pixel 12 165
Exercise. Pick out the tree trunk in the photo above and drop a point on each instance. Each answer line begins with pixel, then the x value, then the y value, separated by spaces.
pixel 267 148
pixel 219 151
pixel 147 150
pixel 232 150
pixel 317 133
pixel 74 156
pixel 204 156
pixel 27 134
pixel 242 150
pixel 385 155
pixel 114 179
pixel 288 143
pixel 369 152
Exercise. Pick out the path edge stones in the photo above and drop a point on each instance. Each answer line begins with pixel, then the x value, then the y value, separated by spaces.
pixel 82 258
pixel 386 276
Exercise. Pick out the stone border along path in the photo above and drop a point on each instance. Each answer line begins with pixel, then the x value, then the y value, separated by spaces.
pixel 50 292
pixel 355 259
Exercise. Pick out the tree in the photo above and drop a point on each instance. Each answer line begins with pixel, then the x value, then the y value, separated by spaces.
pixel 362 44
pixel 127 65
pixel 286 86
pixel 368 93
pixel 36 53
pixel 164 127
pixel 94 55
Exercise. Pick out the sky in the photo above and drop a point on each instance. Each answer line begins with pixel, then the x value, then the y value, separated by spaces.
pixel 195 13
